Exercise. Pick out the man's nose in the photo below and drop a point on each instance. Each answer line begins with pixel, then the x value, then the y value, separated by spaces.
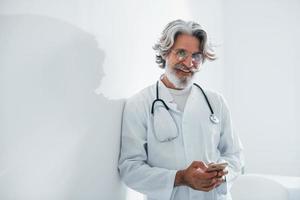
pixel 188 61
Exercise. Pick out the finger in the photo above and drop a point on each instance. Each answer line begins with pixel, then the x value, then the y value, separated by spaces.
pixel 209 187
pixel 205 182
pixel 219 182
pixel 222 173
pixel 208 183
pixel 199 164
pixel 209 175
pixel 201 175
pixel 215 183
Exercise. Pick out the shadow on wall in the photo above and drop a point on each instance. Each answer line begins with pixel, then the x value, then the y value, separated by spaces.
pixel 58 139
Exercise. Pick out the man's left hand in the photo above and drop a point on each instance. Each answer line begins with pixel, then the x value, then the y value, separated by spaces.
pixel 221 177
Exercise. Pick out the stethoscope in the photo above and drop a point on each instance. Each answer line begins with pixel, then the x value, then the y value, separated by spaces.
pixel 213 118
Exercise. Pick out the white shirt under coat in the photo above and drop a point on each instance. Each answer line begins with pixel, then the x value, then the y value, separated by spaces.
pixel 149 166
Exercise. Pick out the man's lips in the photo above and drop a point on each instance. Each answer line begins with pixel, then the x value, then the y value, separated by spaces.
pixel 183 68
pixel 184 71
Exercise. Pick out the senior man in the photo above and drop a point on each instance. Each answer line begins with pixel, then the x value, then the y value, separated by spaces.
pixel 174 130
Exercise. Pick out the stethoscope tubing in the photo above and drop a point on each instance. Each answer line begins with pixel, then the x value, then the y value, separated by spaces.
pixel 212 116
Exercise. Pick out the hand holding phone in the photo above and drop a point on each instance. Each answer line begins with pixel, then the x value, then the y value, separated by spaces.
pixel 216 167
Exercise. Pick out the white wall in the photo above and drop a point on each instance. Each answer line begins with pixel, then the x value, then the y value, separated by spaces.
pixel 57 139
pixel 262 60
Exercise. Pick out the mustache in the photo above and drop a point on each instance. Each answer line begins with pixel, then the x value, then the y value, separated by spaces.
pixel 180 66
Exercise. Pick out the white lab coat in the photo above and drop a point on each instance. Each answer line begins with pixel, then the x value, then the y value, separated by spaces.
pixel 149 166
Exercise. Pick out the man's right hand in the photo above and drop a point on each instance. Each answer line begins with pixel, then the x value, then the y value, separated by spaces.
pixel 195 177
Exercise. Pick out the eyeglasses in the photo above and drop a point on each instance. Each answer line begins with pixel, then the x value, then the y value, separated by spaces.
pixel 182 54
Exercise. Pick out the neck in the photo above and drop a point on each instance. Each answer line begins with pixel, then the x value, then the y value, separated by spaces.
pixel 168 83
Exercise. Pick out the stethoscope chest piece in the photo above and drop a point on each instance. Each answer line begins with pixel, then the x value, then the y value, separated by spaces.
pixel 213 118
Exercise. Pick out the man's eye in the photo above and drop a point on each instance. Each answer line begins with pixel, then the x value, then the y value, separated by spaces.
pixel 197 56
pixel 181 53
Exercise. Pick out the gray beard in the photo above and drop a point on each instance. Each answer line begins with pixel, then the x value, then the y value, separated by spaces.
pixel 177 82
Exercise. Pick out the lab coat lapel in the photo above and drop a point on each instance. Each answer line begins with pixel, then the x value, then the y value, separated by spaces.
pixel 196 107
pixel 191 124
pixel 191 107
pixel 165 95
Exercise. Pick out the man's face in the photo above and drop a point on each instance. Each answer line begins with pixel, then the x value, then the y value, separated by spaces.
pixel 180 66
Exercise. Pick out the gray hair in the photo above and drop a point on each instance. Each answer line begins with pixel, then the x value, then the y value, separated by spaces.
pixel 169 35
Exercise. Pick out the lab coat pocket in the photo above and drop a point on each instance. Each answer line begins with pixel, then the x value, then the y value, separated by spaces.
pixel 165 128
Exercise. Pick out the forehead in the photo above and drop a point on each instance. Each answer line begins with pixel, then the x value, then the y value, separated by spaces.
pixel 187 42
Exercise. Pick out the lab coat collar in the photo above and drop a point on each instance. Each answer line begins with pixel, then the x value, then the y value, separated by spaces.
pixel 164 94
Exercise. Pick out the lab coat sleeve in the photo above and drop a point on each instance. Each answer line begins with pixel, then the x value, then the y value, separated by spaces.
pixel 155 182
pixel 230 148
